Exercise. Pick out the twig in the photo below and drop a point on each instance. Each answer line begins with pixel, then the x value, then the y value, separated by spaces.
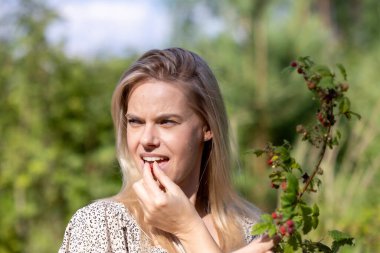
pixel 317 166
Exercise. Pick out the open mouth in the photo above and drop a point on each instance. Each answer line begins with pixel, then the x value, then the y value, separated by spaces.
pixel 161 161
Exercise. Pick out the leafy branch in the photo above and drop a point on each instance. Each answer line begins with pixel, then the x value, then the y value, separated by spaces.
pixel 295 218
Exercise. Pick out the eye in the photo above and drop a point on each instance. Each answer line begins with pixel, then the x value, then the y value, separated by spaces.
pixel 168 122
pixel 134 122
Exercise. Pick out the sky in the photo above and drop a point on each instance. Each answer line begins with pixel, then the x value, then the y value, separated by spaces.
pixel 99 27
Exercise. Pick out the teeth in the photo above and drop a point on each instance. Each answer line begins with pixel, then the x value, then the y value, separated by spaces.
pixel 152 159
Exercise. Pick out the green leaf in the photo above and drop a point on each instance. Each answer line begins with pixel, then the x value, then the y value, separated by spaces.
pixel 272 230
pixel 338 134
pixel 340 239
pixel 327 82
pixel 259 228
pixel 295 165
pixel 288 249
pixel 306 60
pixel 323 70
pixel 342 70
pixel 288 70
pixel 307 225
pixel 307 219
pixel 315 210
pixel 344 105
pixel 314 222
pixel 297 219
pixel 338 235
pixel 306 210
pixel 292 183
pixel 266 218
pixel 355 114
pixel 293 242
pixel 322 247
pixel 258 152
pixel 264 226
pixel 288 199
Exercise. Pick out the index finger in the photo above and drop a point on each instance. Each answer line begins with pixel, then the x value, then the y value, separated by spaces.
pixel 163 179
pixel 149 180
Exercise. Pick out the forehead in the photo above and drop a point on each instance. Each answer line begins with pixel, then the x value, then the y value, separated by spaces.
pixel 158 96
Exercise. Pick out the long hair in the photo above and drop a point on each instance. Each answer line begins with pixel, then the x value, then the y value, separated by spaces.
pixel 216 195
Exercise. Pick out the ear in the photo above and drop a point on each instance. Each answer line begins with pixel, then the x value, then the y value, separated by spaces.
pixel 207 134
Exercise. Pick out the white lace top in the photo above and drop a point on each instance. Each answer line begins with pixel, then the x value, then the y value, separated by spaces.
pixel 107 226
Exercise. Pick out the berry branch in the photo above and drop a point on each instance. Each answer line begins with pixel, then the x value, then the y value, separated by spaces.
pixel 294 218
pixel 317 166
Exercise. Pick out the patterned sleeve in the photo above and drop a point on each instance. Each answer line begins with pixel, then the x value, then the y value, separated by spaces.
pixel 91 229
pixel 247 227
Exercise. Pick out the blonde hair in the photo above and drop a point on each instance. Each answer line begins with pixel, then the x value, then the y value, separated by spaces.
pixel 215 194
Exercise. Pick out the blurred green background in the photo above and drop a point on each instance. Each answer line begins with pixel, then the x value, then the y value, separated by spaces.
pixel 56 135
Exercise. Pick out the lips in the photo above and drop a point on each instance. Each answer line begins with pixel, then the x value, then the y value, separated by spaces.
pixel 150 158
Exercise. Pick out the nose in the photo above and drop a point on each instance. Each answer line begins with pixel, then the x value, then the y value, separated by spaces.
pixel 150 138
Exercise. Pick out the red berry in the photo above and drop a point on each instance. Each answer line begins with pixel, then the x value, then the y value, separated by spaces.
pixel 274 215
pixel 320 118
pixel 283 230
pixel 290 223
pixel 274 186
pixel 344 87
pixel 311 85
pixel 300 70
pixel 270 162
pixel 294 64
pixel 291 230
pixel 284 185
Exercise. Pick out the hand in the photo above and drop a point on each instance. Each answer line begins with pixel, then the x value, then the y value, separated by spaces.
pixel 261 245
pixel 164 204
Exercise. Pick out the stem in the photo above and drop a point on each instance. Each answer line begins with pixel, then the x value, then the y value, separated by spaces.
pixel 316 168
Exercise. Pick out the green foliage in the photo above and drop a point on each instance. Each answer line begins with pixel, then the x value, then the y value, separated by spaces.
pixel 294 217
pixel 57 144
pixel 340 239
pixel 265 226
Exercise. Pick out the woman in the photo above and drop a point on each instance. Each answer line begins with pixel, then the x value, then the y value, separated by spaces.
pixel 173 148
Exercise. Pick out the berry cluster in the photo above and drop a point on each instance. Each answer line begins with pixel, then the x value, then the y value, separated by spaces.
pixel 329 93
pixel 272 160
pixel 285 228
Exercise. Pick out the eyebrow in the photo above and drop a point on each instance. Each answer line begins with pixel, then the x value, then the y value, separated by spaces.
pixel 160 117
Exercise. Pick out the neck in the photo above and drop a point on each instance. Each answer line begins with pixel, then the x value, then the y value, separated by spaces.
pixel 191 191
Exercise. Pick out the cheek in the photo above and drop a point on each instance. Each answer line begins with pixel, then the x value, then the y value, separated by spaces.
pixel 184 142
pixel 190 146
pixel 131 142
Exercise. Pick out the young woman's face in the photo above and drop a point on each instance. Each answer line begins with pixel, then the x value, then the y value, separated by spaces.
pixel 162 127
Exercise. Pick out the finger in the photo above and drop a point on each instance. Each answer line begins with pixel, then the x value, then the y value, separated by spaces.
pixel 150 183
pixel 141 193
pixel 147 202
pixel 164 180
pixel 267 245
pixel 264 243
